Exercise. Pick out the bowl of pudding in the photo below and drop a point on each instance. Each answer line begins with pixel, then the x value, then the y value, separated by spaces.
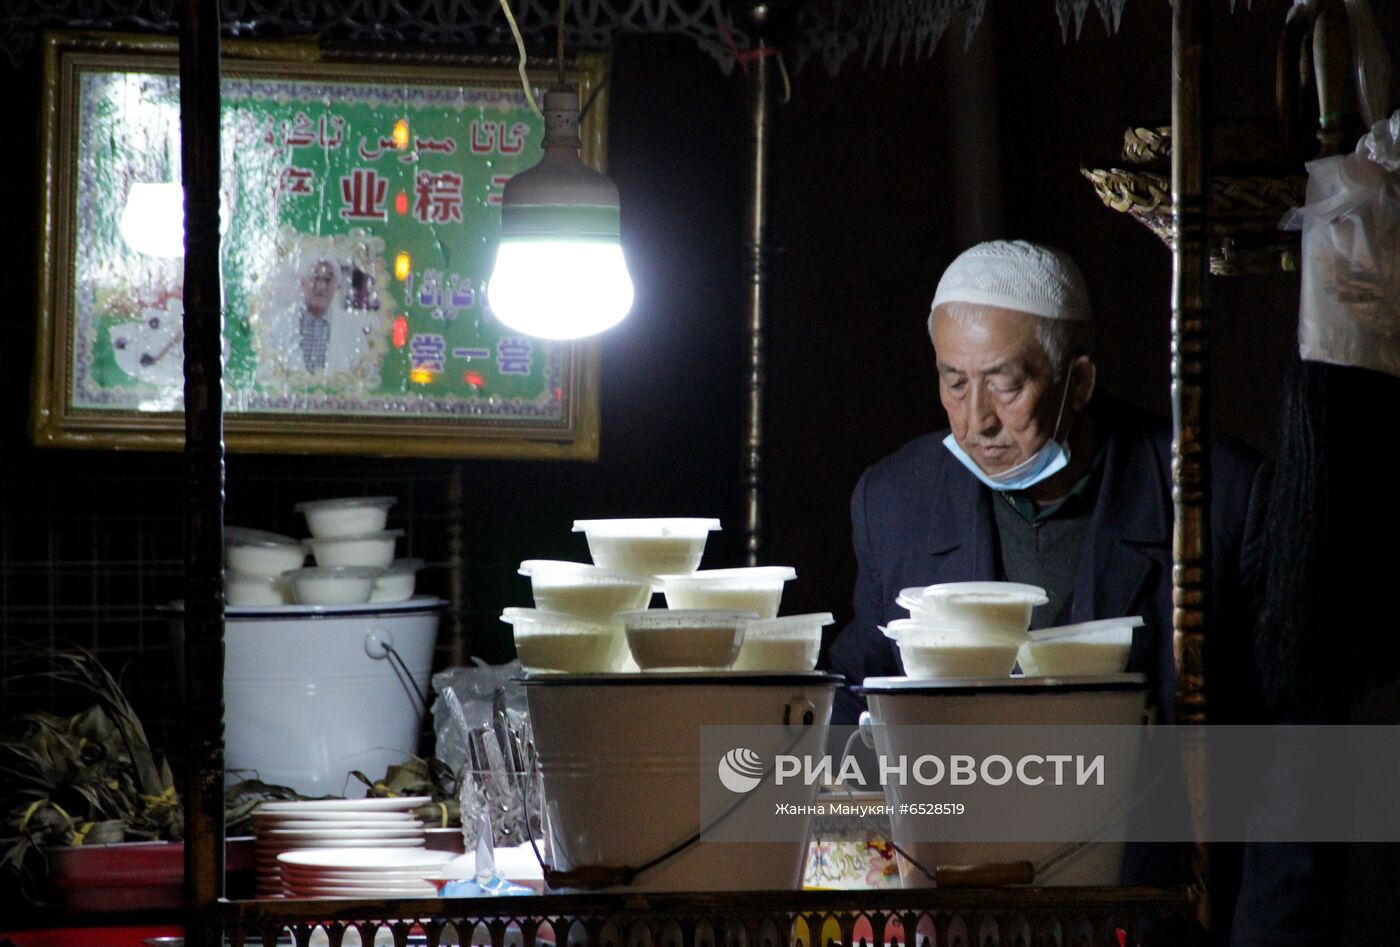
pixel 555 642
pixel 757 589
pixel 684 639
pixel 577 588
pixel 254 552
pixel 346 516
pixel 1002 605
pixel 788 644
pixel 666 546
pixel 1091 647
pixel 945 650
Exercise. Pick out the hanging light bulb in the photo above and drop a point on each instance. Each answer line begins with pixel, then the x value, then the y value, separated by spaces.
pixel 559 272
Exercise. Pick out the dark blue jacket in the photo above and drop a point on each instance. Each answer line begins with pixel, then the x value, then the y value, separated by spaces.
pixel 919 518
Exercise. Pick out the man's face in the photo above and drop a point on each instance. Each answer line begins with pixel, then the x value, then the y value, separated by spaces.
pixel 318 287
pixel 995 382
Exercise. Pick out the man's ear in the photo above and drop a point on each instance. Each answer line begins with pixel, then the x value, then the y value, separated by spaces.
pixel 1083 374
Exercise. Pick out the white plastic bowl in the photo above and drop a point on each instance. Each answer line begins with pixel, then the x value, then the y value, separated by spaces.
pixel 348 516
pixel 396 583
pixel 684 638
pixel 790 643
pixel 255 552
pixel 1003 605
pixel 1092 647
pixel 577 588
pixel 758 589
pixel 367 549
pixel 333 585
pixel 670 546
pixel 945 650
pixel 256 589
pixel 554 641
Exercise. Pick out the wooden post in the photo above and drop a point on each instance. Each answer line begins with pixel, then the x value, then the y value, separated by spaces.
pixel 755 260
pixel 1191 397
pixel 204 472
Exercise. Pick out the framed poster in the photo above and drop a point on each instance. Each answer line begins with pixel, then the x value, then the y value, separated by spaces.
pixel 360 212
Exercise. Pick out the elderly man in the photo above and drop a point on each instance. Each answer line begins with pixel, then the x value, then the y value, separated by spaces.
pixel 1044 480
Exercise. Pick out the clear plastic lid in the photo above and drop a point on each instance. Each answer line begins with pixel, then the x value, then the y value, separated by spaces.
pixel 677 526
pixel 403 566
pixel 683 619
pixel 268 580
pixel 1088 629
pixel 540 619
pixel 241 536
pixel 336 572
pixel 382 534
pixel 912 629
pixel 557 569
pixel 788 626
pixel 345 503
pixel 969 592
pixel 737 578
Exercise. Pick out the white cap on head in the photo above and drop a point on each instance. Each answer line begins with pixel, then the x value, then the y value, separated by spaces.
pixel 1015 274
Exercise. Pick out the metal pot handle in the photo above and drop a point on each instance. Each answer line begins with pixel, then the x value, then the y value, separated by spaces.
pixel 379 641
pixel 799 710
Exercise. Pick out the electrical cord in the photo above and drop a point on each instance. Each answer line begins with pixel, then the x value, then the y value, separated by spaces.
pixel 520 46
pixel 559 40
pixel 593 96
pixel 397 660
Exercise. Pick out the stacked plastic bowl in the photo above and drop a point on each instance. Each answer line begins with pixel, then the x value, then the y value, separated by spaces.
pixel 595 618
pixel 963 629
pixel 354 558
pixel 574 627
pixel 980 630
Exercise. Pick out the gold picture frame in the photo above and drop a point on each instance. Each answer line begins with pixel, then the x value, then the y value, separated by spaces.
pixel 360 219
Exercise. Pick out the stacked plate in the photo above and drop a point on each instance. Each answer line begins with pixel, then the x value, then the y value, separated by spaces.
pixel 380 825
pixel 360 873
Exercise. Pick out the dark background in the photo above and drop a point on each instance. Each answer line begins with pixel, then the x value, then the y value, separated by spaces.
pixel 880 176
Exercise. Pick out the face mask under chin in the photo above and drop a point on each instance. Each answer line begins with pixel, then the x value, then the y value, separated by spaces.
pixel 1052 457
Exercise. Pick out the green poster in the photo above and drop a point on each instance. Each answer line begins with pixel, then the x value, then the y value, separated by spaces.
pixel 360 210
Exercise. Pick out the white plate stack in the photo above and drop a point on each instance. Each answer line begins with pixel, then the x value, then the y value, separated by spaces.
pixel 382 826
pixel 360 873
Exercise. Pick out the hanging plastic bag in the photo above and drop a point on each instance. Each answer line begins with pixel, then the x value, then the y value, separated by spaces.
pixel 1349 312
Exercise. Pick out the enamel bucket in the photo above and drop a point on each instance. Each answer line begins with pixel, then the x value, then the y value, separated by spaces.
pixel 898 705
pixel 311 692
pixel 621 765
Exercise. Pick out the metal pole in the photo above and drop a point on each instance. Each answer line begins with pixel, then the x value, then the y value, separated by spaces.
pixel 1191 396
pixel 204 472
pixel 755 257
pixel 459 644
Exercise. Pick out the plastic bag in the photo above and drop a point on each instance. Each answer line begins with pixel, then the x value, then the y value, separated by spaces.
pixel 1349 311
pixel 475 687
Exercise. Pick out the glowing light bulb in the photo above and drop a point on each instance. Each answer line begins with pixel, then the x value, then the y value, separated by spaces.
pixel 560 272
pixel 559 289
pixel 401 134
pixel 402 264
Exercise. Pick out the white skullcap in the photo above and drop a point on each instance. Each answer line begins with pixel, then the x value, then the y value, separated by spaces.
pixel 1014 274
